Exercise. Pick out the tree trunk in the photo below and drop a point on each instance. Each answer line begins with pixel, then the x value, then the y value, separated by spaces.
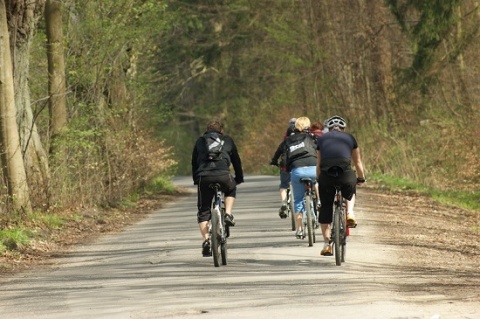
pixel 56 70
pixel 11 155
pixel 22 19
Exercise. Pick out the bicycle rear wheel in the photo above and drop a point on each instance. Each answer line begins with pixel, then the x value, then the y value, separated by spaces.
pixel 290 209
pixel 337 244
pixel 343 235
pixel 310 228
pixel 223 244
pixel 215 239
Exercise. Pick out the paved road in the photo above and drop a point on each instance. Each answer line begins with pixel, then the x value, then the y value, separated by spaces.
pixel 154 269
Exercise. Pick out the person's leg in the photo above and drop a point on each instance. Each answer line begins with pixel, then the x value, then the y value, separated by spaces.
pixel 325 215
pixel 283 195
pixel 350 205
pixel 298 196
pixel 326 232
pixel 229 187
pixel 229 201
pixel 284 184
pixel 349 181
pixel 205 196
pixel 204 230
pixel 204 199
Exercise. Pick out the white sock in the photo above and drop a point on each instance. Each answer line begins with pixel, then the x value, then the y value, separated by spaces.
pixel 351 213
pixel 325 245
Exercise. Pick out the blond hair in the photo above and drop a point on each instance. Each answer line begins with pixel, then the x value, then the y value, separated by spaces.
pixel 302 123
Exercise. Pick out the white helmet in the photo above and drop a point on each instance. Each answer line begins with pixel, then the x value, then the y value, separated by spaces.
pixel 336 121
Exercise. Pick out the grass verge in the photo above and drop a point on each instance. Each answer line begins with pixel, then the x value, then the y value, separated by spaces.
pixel 464 199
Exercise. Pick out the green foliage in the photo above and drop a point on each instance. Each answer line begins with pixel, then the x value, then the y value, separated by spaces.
pixel 14 238
pixel 427 24
pixel 468 199
pixel 173 65
pixel 49 220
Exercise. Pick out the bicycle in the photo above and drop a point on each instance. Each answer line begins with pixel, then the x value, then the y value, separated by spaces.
pixel 310 222
pixel 340 231
pixel 219 231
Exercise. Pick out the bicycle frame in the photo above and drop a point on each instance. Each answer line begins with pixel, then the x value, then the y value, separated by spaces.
pixel 219 231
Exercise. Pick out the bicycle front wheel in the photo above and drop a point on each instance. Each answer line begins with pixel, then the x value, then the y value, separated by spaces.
pixel 310 228
pixel 215 239
pixel 337 244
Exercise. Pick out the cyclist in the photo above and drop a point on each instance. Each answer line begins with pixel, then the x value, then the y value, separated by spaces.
pixel 336 150
pixel 284 175
pixel 206 172
pixel 301 159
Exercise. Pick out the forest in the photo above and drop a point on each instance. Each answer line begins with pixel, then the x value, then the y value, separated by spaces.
pixel 102 100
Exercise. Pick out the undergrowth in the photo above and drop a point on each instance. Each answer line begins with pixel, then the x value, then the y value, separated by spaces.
pixel 464 199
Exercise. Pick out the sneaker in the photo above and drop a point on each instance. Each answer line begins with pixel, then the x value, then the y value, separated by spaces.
pixel 283 211
pixel 326 251
pixel 351 221
pixel 299 234
pixel 229 220
pixel 206 251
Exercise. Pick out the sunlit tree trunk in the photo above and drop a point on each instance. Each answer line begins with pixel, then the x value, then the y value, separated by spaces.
pixel 22 19
pixel 56 70
pixel 11 155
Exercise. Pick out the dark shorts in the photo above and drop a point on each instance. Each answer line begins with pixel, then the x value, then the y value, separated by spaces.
pixel 326 184
pixel 284 179
pixel 206 194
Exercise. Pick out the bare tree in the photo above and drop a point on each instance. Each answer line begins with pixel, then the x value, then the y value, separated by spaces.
pixel 56 70
pixel 11 155
pixel 22 16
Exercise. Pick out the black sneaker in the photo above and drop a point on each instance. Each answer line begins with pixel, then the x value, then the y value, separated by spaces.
pixel 206 251
pixel 283 212
pixel 229 220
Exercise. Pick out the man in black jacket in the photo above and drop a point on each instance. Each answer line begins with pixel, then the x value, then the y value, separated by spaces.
pixel 206 171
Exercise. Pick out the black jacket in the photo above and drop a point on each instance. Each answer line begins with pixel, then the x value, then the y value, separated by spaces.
pixel 308 158
pixel 201 166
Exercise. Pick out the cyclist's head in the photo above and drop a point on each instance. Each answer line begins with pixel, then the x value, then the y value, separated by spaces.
pixel 336 123
pixel 302 124
pixel 215 125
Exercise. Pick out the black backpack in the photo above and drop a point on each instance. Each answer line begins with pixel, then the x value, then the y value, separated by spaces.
pixel 300 145
pixel 214 143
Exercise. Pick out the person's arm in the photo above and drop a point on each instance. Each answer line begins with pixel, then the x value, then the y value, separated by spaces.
pixel 277 154
pixel 194 164
pixel 237 164
pixel 357 161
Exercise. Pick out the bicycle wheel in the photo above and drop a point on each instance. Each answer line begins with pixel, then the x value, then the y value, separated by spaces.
pixel 290 210
pixel 310 229
pixel 336 238
pixel 343 236
pixel 314 220
pixel 215 239
pixel 223 243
